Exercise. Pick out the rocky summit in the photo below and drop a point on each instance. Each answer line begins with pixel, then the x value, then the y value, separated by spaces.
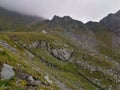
pixel 59 54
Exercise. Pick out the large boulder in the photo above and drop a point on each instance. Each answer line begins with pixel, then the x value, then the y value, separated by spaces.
pixel 7 72
pixel 62 54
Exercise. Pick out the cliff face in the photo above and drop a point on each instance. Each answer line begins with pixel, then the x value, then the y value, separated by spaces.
pixel 108 29
pixel 112 21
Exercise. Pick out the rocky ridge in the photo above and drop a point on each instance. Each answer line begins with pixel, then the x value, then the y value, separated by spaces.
pixel 62 54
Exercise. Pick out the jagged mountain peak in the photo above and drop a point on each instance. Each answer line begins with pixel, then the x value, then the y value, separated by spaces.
pixel 55 17
pixel 112 16
pixel 118 12
pixel 112 21
pixel 63 19
pixel 66 22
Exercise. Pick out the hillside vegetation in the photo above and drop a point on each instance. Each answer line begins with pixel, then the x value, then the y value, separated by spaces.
pixel 58 54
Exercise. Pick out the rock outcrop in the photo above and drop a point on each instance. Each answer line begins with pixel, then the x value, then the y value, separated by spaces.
pixel 113 71
pixel 30 80
pixel 7 72
pixel 112 21
pixel 62 54
pixel 48 80
pixel 38 44
pixel 7 46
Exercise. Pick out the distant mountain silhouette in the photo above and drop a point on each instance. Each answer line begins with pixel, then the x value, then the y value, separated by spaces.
pixel 10 20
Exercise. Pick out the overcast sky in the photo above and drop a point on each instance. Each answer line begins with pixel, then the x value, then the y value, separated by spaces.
pixel 83 10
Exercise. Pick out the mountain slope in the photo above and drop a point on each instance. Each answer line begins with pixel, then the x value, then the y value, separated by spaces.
pixel 73 29
pixel 112 21
pixel 38 51
pixel 107 31
pixel 14 21
pixel 60 54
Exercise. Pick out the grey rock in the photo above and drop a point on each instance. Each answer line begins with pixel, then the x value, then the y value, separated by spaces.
pixel 43 44
pixel 33 82
pixel 112 21
pixel 55 53
pixel 6 45
pixel 37 82
pixel 110 87
pixel 96 81
pixel 61 85
pixel 49 48
pixel 62 54
pixel 113 71
pixel 48 80
pixel 86 40
pixel 38 44
pixel 30 55
pixel 7 72
pixel 34 44
pixel 30 78
pixel 24 45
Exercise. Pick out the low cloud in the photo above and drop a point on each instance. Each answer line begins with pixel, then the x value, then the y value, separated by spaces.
pixel 83 10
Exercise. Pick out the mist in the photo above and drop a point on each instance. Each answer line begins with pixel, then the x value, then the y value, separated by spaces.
pixel 83 10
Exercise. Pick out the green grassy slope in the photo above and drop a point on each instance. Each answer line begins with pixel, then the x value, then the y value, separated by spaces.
pixel 12 21
pixel 84 70
pixel 70 75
